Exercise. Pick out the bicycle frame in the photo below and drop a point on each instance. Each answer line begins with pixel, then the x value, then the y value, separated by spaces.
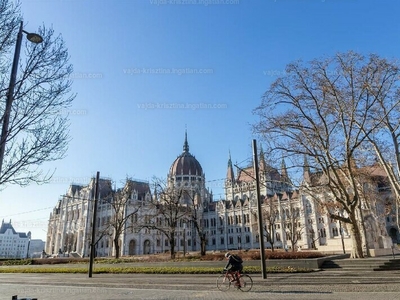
pixel 233 276
pixel 240 280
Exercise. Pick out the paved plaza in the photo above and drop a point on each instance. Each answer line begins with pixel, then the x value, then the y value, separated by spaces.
pixel 366 285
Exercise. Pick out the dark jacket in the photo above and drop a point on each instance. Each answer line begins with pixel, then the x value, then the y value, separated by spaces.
pixel 235 262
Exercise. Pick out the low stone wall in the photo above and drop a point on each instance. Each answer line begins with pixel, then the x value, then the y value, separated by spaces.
pixel 384 252
pixel 309 263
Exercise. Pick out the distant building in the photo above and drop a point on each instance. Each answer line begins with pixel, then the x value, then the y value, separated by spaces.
pixel 36 248
pixel 13 244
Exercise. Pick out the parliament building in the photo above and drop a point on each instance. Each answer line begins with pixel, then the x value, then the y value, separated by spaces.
pixel 291 218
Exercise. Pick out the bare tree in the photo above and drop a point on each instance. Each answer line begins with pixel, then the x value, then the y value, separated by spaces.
pixel 10 15
pixel 292 219
pixel 270 215
pixel 119 215
pixel 384 123
pixel 170 209
pixel 319 111
pixel 37 129
pixel 195 218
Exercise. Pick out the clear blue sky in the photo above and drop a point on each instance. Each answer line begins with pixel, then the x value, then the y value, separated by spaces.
pixel 194 66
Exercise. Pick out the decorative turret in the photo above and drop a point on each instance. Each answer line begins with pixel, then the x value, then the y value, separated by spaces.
pixel 262 163
pixel 284 172
pixel 306 170
pixel 230 175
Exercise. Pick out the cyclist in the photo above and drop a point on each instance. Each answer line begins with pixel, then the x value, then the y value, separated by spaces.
pixel 235 263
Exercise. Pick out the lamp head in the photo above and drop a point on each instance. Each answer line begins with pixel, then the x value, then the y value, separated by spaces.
pixel 34 38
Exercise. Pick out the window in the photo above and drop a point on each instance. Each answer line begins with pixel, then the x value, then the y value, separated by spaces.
pixel 335 232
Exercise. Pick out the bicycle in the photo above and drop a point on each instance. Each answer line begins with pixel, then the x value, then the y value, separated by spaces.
pixel 242 281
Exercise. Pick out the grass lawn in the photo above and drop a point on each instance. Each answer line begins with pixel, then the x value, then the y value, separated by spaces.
pixel 153 264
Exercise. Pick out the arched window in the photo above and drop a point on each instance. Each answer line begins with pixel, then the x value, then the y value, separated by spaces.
pixel 247 239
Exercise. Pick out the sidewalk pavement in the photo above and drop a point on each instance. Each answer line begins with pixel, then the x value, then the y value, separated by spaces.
pixel 322 285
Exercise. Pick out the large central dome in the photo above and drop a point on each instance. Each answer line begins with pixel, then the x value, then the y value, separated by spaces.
pixel 186 163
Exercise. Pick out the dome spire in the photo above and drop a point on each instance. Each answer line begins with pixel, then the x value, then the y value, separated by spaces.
pixel 186 144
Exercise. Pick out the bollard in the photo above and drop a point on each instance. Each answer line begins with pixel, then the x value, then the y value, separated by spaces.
pixel 15 297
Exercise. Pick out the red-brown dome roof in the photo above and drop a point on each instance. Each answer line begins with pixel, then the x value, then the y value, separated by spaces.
pixel 186 163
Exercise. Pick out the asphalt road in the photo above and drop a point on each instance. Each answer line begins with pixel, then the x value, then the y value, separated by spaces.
pixel 341 284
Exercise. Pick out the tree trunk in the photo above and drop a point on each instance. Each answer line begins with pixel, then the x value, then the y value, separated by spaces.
pixel 172 245
pixel 117 248
pixel 357 249
pixel 203 247
pixel 271 236
pixel 172 250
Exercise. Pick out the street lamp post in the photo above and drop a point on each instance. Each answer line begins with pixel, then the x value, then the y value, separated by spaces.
pixel 34 38
pixel 92 242
pixel 260 222
pixel 184 239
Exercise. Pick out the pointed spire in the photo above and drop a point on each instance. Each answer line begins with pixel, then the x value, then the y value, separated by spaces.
pixel 284 172
pixel 230 176
pixel 186 144
pixel 155 198
pixel 263 164
pixel 306 170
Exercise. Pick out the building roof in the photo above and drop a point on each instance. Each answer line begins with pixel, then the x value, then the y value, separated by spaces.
pixel 6 226
pixel 142 188
pixel 186 163
pixel 247 174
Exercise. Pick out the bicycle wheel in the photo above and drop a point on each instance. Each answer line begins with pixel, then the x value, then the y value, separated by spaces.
pixel 223 283
pixel 246 283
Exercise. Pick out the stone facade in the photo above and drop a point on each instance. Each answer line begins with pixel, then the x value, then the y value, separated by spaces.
pixel 291 218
